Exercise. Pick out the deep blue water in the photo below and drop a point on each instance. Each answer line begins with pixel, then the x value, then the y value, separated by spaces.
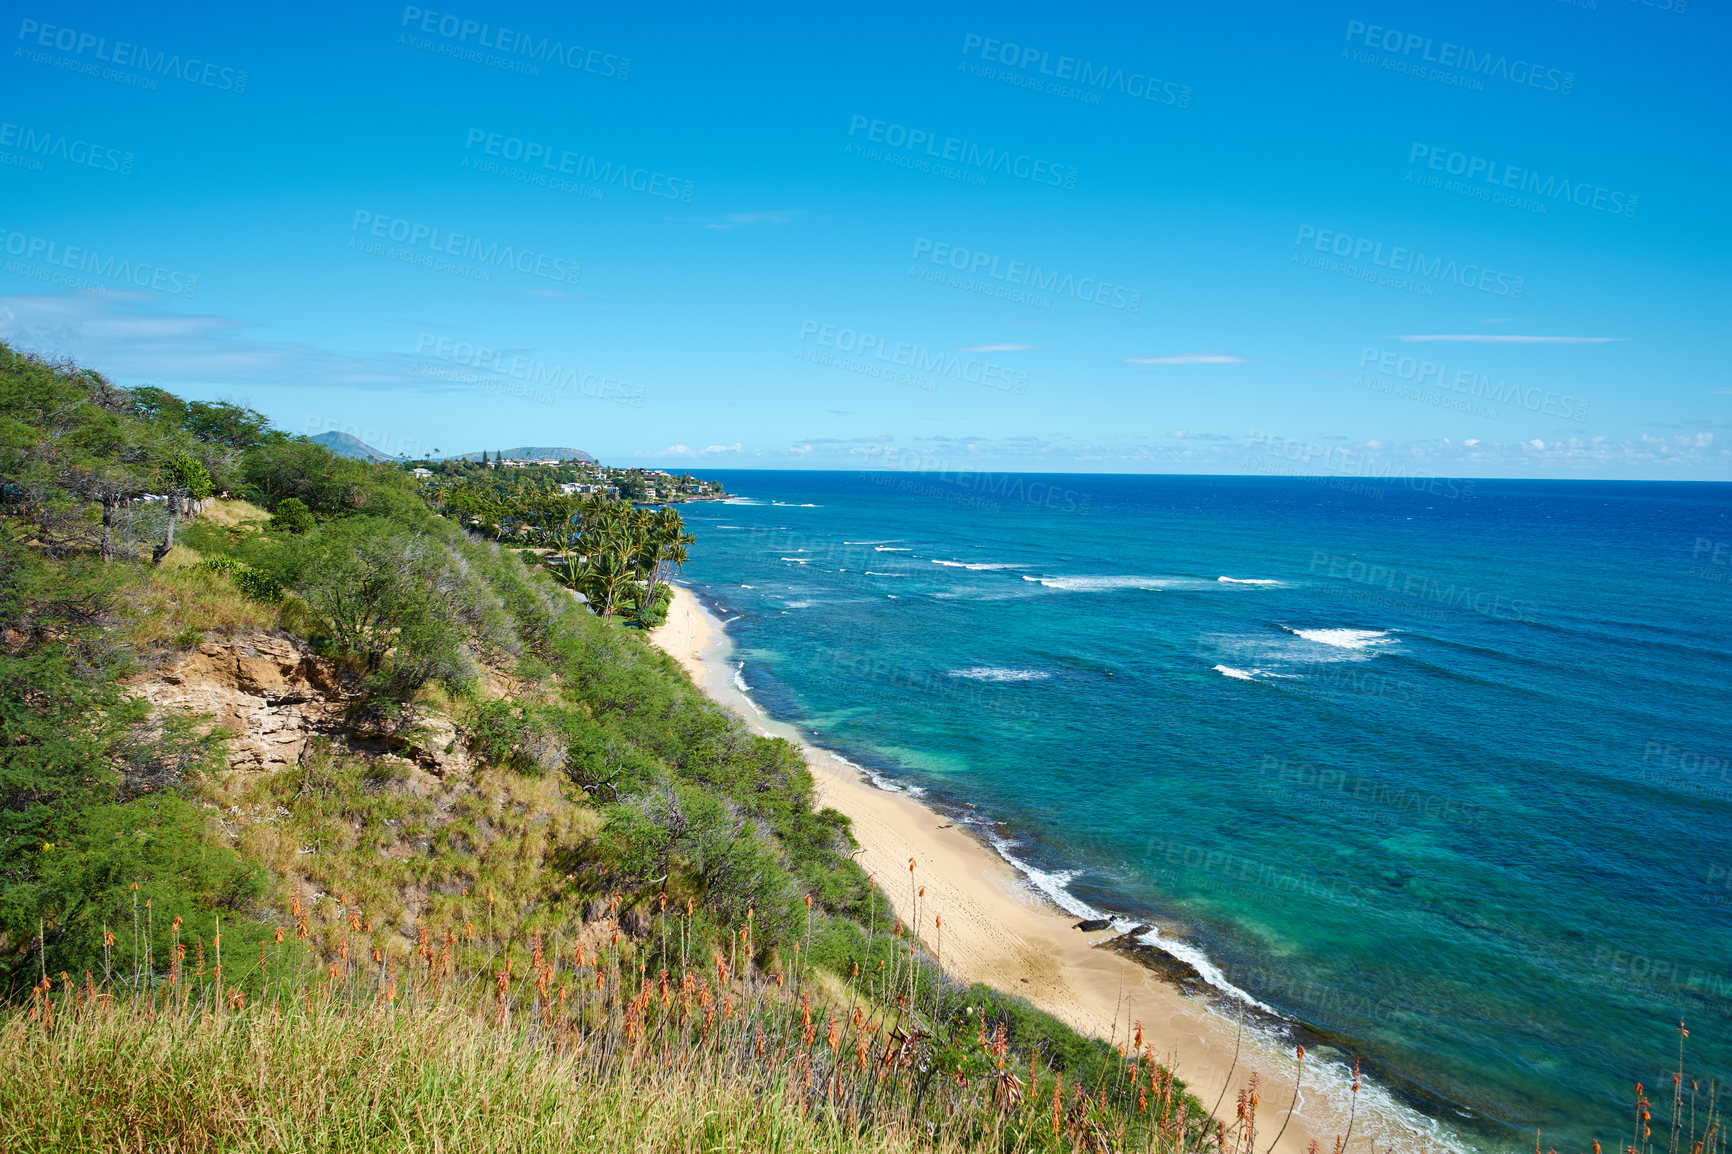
pixel 1445 777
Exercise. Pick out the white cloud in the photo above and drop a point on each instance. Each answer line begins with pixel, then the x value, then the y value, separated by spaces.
pixel 125 335
pixel 1506 339
pixel 1189 359
pixel 134 340
pixel 674 451
pixel 733 220
pixel 733 448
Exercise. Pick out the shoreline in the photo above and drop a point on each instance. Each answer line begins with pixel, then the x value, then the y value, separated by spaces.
pixel 1001 931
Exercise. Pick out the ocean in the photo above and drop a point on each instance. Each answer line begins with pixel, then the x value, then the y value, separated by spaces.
pixel 1439 776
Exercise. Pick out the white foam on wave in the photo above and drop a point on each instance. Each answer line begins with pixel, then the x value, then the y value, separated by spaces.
pixel 795 505
pixel 1054 885
pixel 878 780
pixel 742 501
pixel 875 573
pixel 1254 674
pixel 893 549
pixel 797 605
pixel 1199 961
pixel 979 566
pixel 799 560
pixel 1332 1093
pixel 885 541
pixel 746 693
pixel 995 673
pixel 1248 581
pixel 1108 584
pixel 1346 638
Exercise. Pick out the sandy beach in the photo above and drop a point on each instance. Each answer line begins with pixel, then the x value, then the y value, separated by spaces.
pixel 1000 931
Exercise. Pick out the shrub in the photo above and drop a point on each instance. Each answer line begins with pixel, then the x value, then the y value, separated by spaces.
pixel 251 582
pixel 292 516
pixel 655 613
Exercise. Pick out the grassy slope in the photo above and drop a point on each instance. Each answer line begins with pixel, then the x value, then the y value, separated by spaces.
pixel 611 807
pixel 338 1083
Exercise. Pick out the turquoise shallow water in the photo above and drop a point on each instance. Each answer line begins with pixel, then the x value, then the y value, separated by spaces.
pixel 1444 778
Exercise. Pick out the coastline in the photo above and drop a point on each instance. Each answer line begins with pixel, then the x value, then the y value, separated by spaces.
pixel 999 930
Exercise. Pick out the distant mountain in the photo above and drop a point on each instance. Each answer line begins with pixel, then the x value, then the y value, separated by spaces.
pixel 530 453
pixel 343 445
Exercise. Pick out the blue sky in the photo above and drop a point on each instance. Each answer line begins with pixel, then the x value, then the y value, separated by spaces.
pixel 1482 240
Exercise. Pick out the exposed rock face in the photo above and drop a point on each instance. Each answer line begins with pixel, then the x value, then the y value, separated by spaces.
pixel 265 690
pixel 432 742
pixel 273 696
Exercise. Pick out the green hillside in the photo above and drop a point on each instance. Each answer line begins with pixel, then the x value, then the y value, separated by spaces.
pixel 515 883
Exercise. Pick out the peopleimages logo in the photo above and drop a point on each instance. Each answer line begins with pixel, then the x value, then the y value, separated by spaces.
pixel 1136 85
pixel 125 55
pixel 1411 262
pixel 565 162
pixel 1477 386
pixel 444 242
pixel 81 263
pixel 1341 461
pixel 1422 587
pixel 460 31
pixel 1024 274
pixel 1401 47
pixel 529 370
pixel 1499 177
pixel 913 358
pixel 60 147
pixel 953 150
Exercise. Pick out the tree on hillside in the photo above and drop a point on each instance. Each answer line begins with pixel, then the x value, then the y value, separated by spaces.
pixel 185 482
pixel 75 461
pixel 561 524
pixel 394 601
pixel 662 552
pixel 608 546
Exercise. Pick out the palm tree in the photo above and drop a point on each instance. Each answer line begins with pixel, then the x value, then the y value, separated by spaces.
pixel 662 553
pixel 608 570
pixel 564 532
pixel 610 540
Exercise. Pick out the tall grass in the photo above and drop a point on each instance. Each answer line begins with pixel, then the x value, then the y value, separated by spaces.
pixel 475 1047
pixel 333 1079
pixel 494 1037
